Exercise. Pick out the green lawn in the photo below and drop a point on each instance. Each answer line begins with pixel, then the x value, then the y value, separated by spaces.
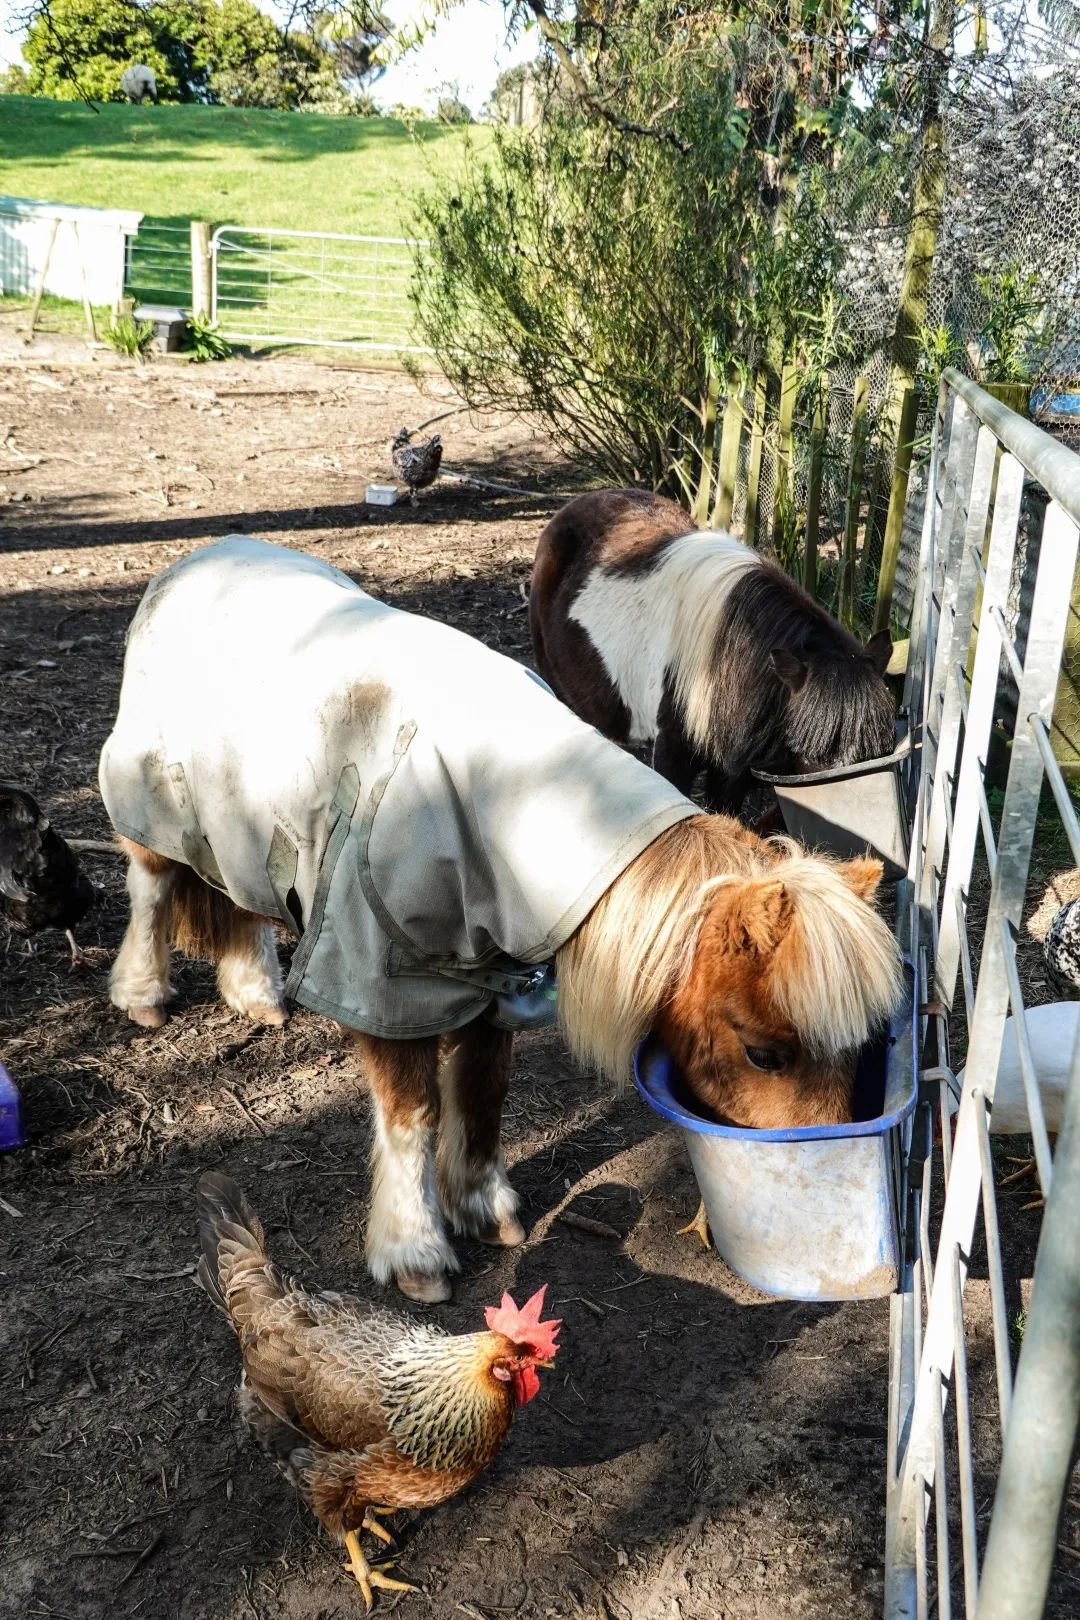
pixel 223 164
pixel 231 166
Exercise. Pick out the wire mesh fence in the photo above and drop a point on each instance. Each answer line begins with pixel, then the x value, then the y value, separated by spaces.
pixel 158 269
pixel 1003 302
pixel 307 287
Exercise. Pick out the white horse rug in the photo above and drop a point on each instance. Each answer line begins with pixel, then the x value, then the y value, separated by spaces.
pixel 421 811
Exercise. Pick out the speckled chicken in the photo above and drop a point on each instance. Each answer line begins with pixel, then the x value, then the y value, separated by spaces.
pixel 1061 950
pixel 417 465
pixel 363 1410
pixel 41 885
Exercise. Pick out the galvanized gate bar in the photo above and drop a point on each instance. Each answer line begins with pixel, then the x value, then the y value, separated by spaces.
pixel 978 459
pixel 1046 1405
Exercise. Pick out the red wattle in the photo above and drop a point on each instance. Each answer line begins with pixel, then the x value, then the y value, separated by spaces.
pixel 526 1385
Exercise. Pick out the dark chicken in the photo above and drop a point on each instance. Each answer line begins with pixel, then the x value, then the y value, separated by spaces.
pixel 417 465
pixel 41 885
pixel 364 1411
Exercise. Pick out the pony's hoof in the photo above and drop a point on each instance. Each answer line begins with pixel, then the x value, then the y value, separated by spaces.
pixel 427 1289
pixel 271 1013
pixel 505 1234
pixel 151 1016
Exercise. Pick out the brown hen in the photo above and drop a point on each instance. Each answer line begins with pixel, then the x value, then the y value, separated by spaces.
pixel 363 1410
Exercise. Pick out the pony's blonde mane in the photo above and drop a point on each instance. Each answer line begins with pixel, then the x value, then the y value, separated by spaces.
pixel 835 975
pixel 699 570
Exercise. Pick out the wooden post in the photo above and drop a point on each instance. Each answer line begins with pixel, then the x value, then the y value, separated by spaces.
pixel 890 546
pixel 789 388
pixel 854 501
pixel 813 490
pixel 727 471
pixel 202 299
pixel 700 509
pixel 88 310
pixel 39 290
pixel 927 209
pixel 753 470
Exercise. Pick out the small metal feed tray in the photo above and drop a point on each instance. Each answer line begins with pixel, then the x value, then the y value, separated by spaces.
pixel 811 1213
pixel 852 809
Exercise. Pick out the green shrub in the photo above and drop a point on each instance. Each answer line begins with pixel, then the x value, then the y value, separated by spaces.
pixel 203 340
pixel 128 336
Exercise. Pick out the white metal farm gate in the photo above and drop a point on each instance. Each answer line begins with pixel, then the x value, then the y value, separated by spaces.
pixel 313 287
pixel 962 651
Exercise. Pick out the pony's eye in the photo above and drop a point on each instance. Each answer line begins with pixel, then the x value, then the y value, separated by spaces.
pixel 764 1057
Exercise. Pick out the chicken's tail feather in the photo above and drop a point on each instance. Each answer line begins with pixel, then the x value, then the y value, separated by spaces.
pixel 234 1268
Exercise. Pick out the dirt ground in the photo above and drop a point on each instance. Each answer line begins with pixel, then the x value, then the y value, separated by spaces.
pixel 701 1452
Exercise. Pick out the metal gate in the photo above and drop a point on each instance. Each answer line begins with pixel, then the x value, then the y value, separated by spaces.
pixel 313 287
pixel 961 651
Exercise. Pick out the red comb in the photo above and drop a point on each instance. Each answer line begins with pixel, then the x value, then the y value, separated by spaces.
pixel 524 1326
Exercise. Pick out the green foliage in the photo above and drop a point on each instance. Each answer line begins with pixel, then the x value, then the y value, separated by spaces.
pixel 608 281
pixel 939 348
pixel 128 336
pixel 451 110
pixel 1013 311
pixel 203 340
pixel 14 81
pixel 220 51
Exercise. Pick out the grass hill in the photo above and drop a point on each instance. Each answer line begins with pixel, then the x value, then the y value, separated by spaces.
pixel 223 164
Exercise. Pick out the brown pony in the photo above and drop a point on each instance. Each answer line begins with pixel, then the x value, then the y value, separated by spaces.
pixel 762 968
pixel 433 826
pixel 694 644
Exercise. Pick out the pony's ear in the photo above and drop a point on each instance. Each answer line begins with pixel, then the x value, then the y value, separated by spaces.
pixel 790 668
pixel 879 650
pixel 862 875
pixel 764 912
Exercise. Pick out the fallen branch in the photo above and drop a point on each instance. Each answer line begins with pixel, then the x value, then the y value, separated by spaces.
pixel 93 846
pixel 583 1223
pixel 502 489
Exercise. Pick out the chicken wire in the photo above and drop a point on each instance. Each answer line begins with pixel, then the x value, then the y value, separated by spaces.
pixel 1011 152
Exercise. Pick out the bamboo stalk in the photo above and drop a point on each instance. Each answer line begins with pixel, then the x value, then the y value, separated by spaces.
pixel 727 471
pixel 813 491
pixel 894 523
pixel 753 470
pixel 789 388
pixel 854 499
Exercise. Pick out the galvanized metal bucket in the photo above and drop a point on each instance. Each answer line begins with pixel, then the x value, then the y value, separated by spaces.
pixel 811 1213
pixel 852 809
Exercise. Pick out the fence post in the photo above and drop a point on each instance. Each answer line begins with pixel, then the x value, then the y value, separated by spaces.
pixel 200 270
pixel 813 486
pixel 890 546
pixel 727 470
pixel 846 614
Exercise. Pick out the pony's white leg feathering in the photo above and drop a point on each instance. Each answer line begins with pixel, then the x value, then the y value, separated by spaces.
pixel 249 973
pixel 139 981
pixel 406 1240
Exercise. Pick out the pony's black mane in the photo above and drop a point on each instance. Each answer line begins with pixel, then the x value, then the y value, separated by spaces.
pixel 841 713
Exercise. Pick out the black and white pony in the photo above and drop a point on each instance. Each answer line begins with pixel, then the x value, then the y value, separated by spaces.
pixel 657 633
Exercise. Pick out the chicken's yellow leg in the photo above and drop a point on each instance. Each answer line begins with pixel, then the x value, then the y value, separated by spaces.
pixel 369 1575
pixel 372 1524
pixel 699 1224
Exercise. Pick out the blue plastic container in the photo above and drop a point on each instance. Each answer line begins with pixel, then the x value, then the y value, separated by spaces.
pixel 811 1213
pixel 11 1131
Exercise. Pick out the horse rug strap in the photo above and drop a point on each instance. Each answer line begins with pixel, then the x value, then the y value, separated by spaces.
pixel 428 819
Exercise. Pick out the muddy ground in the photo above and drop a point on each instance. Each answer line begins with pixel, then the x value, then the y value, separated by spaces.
pixel 701 1452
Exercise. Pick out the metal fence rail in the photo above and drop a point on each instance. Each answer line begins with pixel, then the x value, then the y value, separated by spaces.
pixel 981 454
pixel 313 287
